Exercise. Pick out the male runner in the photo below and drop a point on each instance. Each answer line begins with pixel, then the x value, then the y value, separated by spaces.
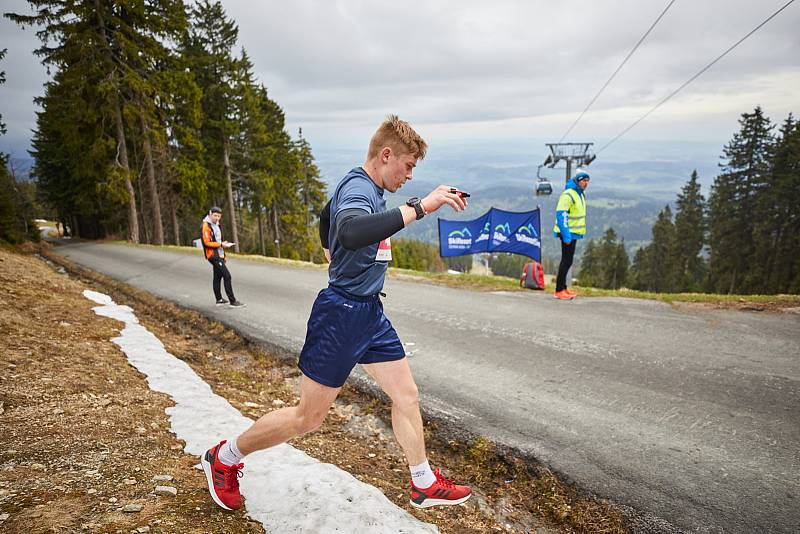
pixel 347 324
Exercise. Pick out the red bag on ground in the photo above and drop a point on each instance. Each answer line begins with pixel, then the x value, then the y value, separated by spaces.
pixel 532 276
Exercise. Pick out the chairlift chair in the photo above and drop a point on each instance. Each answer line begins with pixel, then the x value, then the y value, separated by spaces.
pixel 543 185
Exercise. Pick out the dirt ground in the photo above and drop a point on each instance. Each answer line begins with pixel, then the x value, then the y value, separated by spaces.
pixel 769 306
pixel 83 436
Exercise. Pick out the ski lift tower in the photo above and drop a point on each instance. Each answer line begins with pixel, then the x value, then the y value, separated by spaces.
pixel 579 153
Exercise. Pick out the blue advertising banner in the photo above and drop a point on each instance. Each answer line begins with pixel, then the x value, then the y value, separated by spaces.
pixel 495 231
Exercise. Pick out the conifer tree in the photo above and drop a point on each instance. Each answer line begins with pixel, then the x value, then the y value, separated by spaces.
pixel 208 50
pixel 653 266
pixel 8 213
pixel 615 271
pixel 193 121
pixel 312 192
pixel 254 150
pixel 733 203
pixel 185 177
pixel 589 274
pixel 72 46
pixel 777 265
pixel 604 263
pixel 73 149
pixel 104 50
pixel 639 276
pixel 690 229
pixel 2 81
pixel 145 55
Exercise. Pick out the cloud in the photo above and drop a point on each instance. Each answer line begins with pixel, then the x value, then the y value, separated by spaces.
pixel 522 65
pixel 515 68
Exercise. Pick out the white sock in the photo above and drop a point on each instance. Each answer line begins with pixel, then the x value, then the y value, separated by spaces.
pixel 229 453
pixel 422 476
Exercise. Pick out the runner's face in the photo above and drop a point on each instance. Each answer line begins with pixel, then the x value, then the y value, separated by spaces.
pixel 398 170
pixel 215 217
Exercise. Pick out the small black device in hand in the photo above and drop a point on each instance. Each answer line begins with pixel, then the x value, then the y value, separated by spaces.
pixel 462 194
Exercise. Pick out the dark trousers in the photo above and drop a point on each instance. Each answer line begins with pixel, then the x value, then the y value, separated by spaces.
pixel 567 254
pixel 221 272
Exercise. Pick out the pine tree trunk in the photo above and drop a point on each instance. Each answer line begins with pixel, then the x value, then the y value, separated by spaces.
pixel 122 150
pixel 145 222
pixel 176 229
pixel 307 210
pixel 277 231
pixel 226 165
pixel 260 230
pixel 155 202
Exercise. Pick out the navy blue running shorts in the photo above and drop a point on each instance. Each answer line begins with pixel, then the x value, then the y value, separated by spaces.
pixel 344 330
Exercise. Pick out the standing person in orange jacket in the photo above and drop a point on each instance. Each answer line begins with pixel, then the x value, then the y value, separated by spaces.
pixel 214 248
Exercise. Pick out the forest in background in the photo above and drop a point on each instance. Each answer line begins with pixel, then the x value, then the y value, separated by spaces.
pixel 152 115
pixel 743 239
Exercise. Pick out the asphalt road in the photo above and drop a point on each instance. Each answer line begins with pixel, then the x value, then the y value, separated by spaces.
pixel 690 415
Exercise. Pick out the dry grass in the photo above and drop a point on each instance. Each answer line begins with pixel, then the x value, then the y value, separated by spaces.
pixel 78 421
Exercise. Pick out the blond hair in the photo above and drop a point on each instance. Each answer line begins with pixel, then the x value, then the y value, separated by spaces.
pixel 399 136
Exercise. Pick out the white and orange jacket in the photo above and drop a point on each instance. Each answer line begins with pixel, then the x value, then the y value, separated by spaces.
pixel 211 235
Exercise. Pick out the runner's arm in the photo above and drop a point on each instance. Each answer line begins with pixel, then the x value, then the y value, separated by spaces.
pixel 325 225
pixel 357 228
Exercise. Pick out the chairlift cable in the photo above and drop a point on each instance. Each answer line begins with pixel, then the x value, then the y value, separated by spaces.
pixel 616 71
pixel 690 80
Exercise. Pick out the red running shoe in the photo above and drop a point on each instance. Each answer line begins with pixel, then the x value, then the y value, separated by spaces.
pixel 442 492
pixel 570 292
pixel 223 480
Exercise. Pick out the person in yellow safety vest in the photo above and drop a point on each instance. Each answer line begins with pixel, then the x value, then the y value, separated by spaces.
pixel 570 226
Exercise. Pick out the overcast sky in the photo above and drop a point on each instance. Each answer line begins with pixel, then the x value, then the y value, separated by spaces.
pixel 489 72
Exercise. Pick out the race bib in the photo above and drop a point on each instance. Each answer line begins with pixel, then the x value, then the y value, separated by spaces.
pixel 384 250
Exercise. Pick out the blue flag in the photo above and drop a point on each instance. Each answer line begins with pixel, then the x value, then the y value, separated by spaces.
pixel 495 231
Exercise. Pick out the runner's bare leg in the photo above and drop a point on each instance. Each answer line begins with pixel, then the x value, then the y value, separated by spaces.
pixel 395 379
pixel 279 426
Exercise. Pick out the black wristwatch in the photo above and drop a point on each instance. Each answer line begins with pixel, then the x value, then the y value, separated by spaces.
pixel 416 203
